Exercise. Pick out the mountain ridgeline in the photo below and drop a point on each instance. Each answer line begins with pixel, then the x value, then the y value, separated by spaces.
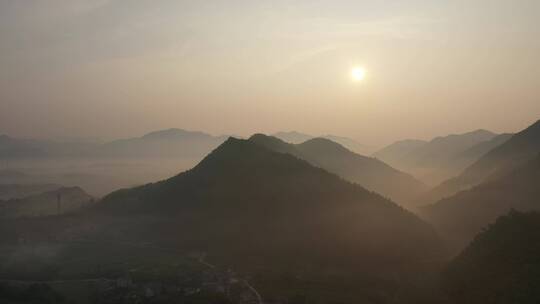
pixel 463 215
pixel 370 173
pixel 310 219
pixel 440 158
pixel 165 143
pixel 294 137
pixel 244 201
pixel 501 160
pixel 175 143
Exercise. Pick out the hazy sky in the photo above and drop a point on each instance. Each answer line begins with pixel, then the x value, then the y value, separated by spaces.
pixel 120 68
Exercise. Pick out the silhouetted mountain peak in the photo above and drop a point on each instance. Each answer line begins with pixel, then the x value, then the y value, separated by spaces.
pixel 240 154
pixel 243 193
pixel 476 135
pixel 324 145
pixel 174 133
pixel 270 142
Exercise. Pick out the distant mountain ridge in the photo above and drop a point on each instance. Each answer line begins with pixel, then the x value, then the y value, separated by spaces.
pixel 13 147
pixel 435 160
pixel 366 171
pixel 504 158
pixel 393 153
pixel 55 202
pixel 466 213
pixel 294 137
pixel 163 143
pixel 14 191
pixel 467 157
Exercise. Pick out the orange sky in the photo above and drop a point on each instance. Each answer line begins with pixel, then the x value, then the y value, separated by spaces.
pixel 123 68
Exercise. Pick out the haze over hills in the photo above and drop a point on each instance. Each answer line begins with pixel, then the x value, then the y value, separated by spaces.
pixel 265 207
pixel 366 171
pixel 60 201
pixel 171 143
pixel 103 167
pixel 14 191
pixel 22 148
pixel 294 137
pixel 501 265
pixel 463 215
pixel 244 200
pixel 514 152
pixel 12 147
pixel 395 152
pixel 434 161
pixel 467 157
pixel 164 143
pixel 135 166
pixel 257 211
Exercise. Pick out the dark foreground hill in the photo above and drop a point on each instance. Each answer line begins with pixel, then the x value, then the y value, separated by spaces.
pixel 298 233
pixel 502 264
pixel 244 201
pixel 514 152
pixel 366 171
pixel 464 214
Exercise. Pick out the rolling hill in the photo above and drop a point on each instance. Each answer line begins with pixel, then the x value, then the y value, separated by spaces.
pixel 370 173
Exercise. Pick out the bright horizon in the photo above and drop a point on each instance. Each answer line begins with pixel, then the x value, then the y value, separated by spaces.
pixel 113 69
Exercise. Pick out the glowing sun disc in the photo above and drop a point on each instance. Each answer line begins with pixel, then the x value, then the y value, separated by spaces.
pixel 358 73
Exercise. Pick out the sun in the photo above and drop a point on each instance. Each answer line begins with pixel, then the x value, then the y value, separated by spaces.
pixel 358 73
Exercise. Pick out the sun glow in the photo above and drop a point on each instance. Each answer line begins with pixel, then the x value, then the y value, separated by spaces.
pixel 358 73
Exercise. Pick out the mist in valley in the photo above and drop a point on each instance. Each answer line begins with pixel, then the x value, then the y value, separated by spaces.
pixel 330 152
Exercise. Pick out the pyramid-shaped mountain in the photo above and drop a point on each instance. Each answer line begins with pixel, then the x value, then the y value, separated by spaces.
pixel 245 201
